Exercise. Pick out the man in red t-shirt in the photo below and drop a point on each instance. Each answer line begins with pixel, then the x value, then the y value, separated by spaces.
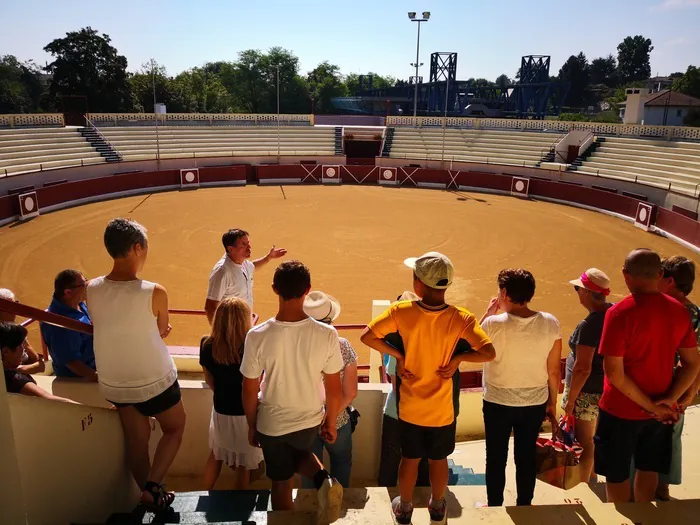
pixel 641 335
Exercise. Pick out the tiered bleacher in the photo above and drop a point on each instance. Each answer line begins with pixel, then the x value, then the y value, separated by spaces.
pixel 33 149
pixel 142 143
pixel 521 148
pixel 656 162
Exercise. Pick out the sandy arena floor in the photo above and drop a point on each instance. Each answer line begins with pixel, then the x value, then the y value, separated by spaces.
pixel 354 239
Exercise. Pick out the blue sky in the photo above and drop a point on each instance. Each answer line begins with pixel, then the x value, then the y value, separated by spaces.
pixel 490 36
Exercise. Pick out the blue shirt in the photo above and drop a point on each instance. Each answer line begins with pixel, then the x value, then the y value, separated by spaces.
pixel 68 345
pixel 390 405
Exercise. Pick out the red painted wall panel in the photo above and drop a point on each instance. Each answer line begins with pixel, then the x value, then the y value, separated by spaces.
pixel 285 171
pixel 224 173
pixel 678 225
pixel 484 180
pixel 363 174
pixel 626 206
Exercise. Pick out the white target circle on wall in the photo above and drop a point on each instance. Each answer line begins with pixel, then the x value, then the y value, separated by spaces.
pixel 387 174
pixel 643 213
pixel 29 204
pixel 519 186
pixel 330 172
pixel 189 176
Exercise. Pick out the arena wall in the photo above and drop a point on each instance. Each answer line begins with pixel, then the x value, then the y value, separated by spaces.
pixel 89 184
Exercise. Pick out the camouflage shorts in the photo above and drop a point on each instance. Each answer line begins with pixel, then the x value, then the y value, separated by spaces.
pixel 586 406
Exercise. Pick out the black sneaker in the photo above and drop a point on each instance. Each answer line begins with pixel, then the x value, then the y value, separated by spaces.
pixel 402 514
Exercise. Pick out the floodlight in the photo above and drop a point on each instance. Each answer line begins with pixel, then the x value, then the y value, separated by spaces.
pixel 426 14
pixel 412 15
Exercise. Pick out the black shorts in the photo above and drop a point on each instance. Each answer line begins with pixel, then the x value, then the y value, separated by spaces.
pixel 166 400
pixel 618 440
pixel 431 442
pixel 283 453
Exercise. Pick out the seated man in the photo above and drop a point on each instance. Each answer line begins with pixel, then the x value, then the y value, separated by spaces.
pixel 32 362
pixel 71 352
pixel 12 338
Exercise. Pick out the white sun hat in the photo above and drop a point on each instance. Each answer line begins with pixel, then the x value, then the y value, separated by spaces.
pixel 321 306
pixel 433 269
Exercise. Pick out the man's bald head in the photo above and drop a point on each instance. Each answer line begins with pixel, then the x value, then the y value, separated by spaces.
pixel 643 263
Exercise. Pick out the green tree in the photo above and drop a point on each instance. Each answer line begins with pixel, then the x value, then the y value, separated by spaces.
pixel 324 83
pixel 503 81
pixel 689 83
pixel 352 81
pixel 633 56
pixel 167 91
pixel 603 70
pixel 575 71
pixel 692 118
pixel 21 88
pixel 86 64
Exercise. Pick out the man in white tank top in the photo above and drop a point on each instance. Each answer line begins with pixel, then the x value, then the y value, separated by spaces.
pixel 137 374
pixel 232 275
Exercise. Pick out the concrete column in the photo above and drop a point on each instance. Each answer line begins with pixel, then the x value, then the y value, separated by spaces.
pixel 379 306
pixel 11 494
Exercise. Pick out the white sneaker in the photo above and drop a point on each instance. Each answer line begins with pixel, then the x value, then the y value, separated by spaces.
pixel 330 501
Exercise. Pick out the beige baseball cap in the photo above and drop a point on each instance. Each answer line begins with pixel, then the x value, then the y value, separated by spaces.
pixel 433 269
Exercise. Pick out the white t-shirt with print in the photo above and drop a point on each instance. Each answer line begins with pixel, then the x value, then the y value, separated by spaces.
pixel 228 279
pixel 518 375
pixel 293 356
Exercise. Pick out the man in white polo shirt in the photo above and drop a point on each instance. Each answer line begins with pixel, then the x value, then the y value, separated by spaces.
pixel 232 275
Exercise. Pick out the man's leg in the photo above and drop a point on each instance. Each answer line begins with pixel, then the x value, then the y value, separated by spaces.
pixel 525 432
pixel 497 425
pixel 281 495
pixel 652 456
pixel 408 474
pixel 615 440
pixel 172 424
pixel 316 450
pixel 137 433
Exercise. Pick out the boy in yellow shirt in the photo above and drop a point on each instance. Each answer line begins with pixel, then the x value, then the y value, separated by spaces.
pixel 430 330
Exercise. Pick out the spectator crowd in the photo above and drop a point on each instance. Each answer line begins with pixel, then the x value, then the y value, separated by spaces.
pixel 283 388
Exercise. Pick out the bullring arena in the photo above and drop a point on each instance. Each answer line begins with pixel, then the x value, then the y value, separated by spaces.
pixel 489 193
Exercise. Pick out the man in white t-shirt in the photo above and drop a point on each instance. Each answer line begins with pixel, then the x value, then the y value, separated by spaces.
pixel 301 360
pixel 232 275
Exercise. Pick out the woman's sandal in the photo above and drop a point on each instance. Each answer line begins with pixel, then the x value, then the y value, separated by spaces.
pixel 162 500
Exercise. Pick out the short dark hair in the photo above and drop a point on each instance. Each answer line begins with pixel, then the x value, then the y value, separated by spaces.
pixel 292 280
pixel 64 280
pixel 12 335
pixel 682 270
pixel 643 263
pixel 519 284
pixel 230 238
pixel 121 235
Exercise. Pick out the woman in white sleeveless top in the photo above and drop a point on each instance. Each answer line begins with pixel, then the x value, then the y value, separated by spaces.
pixel 135 370
pixel 520 385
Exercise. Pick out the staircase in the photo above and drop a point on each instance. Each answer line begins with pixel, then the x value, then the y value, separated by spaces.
pixel 254 506
pixel 338 140
pixel 97 141
pixel 549 157
pixel 578 162
pixel 388 140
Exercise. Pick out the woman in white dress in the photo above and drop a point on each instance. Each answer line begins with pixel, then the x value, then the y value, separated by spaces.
pixel 220 355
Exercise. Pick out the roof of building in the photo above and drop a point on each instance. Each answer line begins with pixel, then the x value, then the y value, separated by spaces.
pixel 672 98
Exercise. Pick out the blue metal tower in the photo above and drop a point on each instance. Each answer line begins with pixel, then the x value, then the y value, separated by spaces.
pixel 443 75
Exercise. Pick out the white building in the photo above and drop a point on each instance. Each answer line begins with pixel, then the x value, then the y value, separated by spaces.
pixel 665 108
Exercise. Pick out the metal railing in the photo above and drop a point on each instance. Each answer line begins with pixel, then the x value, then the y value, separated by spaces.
pixel 99 133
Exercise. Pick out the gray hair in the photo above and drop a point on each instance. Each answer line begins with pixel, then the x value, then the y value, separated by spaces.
pixel 6 293
pixel 121 235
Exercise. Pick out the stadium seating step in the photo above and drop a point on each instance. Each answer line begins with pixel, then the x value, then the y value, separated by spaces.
pixel 338 140
pixel 100 145
pixel 388 141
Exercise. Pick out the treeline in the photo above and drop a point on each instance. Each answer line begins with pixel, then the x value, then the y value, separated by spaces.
pixel 87 72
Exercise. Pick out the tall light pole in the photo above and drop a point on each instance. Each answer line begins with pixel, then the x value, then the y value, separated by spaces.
pixel 155 115
pixel 416 64
pixel 444 122
pixel 278 113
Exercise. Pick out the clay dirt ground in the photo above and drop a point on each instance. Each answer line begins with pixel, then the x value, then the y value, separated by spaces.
pixel 353 239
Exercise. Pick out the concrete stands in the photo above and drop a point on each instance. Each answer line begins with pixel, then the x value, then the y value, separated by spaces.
pixel 655 162
pixel 141 142
pixel 521 148
pixel 33 149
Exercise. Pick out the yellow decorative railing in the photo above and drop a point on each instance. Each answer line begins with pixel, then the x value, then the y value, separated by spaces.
pixel 211 118
pixel 31 119
pixel 633 130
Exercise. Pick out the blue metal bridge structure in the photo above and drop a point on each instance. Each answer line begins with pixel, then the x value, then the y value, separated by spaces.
pixel 533 96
